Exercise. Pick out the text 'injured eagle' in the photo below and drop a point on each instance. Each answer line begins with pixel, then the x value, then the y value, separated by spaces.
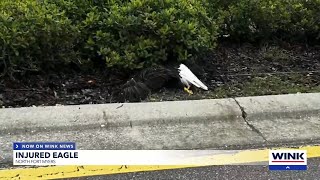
pixel 151 79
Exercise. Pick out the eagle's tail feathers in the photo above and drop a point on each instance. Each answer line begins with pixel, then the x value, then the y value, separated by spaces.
pixel 190 77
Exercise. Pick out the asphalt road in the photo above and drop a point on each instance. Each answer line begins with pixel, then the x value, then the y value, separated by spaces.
pixel 245 172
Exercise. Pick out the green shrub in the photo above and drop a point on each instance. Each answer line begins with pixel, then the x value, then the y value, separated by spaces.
pixel 77 10
pixel 264 20
pixel 45 34
pixel 82 13
pixel 34 36
pixel 141 33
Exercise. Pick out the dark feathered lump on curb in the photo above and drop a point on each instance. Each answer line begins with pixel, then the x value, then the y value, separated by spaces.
pixel 148 80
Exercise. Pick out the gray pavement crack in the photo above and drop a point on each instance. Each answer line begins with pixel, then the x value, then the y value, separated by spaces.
pixel 252 127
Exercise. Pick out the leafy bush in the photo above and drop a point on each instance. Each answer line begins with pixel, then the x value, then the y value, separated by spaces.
pixel 34 36
pixel 86 15
pixel 45 34
pixel 264 20
pixel 141 33
pixel 77 10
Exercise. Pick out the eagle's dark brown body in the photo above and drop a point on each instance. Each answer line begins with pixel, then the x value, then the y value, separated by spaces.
pixel 148 80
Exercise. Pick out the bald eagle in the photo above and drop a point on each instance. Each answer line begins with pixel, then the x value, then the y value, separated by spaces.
pixel 151 79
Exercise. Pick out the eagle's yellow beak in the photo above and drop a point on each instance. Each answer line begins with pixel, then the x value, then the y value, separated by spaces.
pixel 188 90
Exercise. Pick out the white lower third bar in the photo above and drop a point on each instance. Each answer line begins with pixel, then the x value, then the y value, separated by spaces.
pixel 123 157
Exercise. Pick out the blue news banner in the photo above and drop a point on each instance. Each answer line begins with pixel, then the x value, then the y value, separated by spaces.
pixel 42 153
pixel 44 146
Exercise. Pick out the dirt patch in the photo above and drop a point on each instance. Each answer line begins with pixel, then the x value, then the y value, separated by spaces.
pixel 229 71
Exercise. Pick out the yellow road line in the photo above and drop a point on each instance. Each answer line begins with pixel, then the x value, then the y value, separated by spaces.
pixel 56 172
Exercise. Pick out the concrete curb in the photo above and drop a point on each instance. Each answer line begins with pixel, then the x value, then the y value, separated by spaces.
pixel 254 110
pixel 119 115
pixel 133 114
pixel 279 118
pixel 201 124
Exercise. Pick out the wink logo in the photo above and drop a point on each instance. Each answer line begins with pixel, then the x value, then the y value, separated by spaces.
pixel 288 160
pixel 288 157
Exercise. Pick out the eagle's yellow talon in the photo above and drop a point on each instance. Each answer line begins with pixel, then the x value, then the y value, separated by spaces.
pixel 188 90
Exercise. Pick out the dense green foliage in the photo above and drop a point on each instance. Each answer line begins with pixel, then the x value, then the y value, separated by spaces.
pixel 256 20
pixel 131 34
pixel 142 33
pixel 34 36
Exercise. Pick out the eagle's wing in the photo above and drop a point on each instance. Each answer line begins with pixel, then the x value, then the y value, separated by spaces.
pixel 150 79
pixel 156 77
pixel 186 74
pixel 131 91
